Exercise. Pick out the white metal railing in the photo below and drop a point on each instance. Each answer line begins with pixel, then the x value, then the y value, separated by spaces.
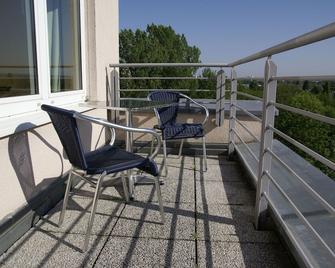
pixel 263 199
pixel 269 104
pixel 114 92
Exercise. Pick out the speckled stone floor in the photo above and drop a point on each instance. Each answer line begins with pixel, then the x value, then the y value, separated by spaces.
pixel 209 223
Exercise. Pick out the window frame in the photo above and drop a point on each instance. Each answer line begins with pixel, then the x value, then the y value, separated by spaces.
pixel 17 106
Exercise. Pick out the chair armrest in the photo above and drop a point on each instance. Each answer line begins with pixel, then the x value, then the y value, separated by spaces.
pixel 112 126
pixel 198 104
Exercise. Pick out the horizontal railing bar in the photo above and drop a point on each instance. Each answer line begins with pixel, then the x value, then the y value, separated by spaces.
pixel 315 116
pixel 322 33
pixel 248 113
pixel 250 78
pixel 303 78
pixel 246 129
pixel 166 78
pixel 307 150
pixel 246 163
pixel 299 214
pixel 246 145
pixel 149 89
pixel 307 186
pixel 249 96
pixel 288 230
pixel 164 64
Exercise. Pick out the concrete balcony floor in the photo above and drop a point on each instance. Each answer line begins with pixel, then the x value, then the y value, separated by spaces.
pixel 209 223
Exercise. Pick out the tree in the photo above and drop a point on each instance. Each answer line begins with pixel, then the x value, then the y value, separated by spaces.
pixel 314 134
pixel 306 85
pixel 209 84
pixel 157 43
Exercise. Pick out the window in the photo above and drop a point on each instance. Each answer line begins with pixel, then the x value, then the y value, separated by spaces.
pixel 41 54
pixel 64 45
pixel 18 69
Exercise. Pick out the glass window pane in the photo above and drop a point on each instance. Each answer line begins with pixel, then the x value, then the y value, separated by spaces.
pixel 18 71
pixel 64 45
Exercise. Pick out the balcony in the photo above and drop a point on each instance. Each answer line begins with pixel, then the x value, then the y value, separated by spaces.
pixel 265 206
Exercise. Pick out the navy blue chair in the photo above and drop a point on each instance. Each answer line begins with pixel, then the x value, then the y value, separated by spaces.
pixel 171 129
pixel 93 166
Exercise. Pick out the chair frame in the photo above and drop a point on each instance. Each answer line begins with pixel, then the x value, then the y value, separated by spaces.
pixel 97 183
pixel 182 140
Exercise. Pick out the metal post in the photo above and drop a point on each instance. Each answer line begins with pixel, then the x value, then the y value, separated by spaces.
pixel 220 94
pixel 187 105
pixel 129 140
pixel 232 116
pixel 117 93
pixel 268 118
pixel 114 94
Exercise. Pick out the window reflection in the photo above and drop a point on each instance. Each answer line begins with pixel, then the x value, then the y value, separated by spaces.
pixel 18 72
pixel 64 45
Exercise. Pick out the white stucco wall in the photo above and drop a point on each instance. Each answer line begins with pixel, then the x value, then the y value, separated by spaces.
pixel 102 43
pixel 31 160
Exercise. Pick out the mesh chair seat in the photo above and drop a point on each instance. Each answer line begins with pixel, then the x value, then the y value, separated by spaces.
pixel 110 159
pixel 182 131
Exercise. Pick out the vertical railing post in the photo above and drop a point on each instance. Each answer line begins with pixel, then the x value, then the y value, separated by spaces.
pixel 220 97
pixel 268 118
pixel 232 116
pixel 188 105
pixel 114 93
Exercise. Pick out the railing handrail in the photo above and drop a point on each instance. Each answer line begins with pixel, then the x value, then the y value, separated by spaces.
pixel 165 64
pixel 162 89
pixel 304 78
pixel 319 34
pixel 166 78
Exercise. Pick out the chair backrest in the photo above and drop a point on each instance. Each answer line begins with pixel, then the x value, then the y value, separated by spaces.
pixel 67 129
pixel 166 115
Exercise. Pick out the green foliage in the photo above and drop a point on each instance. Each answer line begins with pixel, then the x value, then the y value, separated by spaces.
pixel 314 134
pixel 157 43
pixel 209 84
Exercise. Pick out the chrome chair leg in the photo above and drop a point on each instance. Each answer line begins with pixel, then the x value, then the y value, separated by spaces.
pixel 181 148
pixel 204 152
pixel 125 188
pixel 159 197
pixel 131 185
pixel 94 207
pixel 66 198
pixel 165 158
pixel 152 145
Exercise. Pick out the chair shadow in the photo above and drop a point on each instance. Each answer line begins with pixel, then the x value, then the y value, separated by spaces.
pixel 21 159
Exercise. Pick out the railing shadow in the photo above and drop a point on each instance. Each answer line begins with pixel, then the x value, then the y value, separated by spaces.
pixel 206 220
pixel 245 198
pixel 172 235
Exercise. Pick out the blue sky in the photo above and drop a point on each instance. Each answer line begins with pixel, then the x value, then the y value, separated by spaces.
pixel 228 30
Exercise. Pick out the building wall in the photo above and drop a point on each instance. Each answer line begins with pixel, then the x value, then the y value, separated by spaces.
pixel 32 159
pixel 102 43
